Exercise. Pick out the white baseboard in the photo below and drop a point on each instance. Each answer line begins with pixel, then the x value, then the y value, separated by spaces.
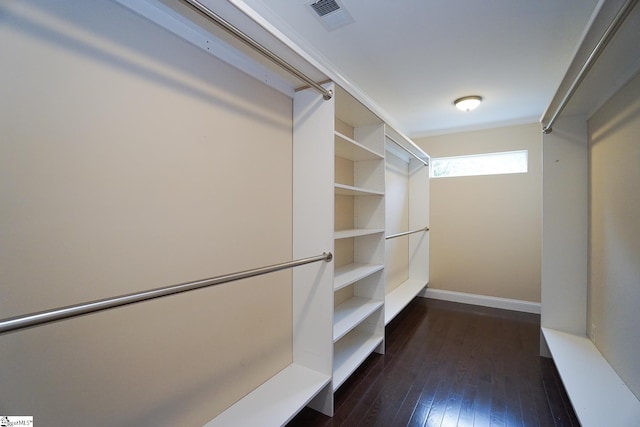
pixel 482 300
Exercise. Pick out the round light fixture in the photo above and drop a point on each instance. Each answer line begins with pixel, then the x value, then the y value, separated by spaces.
pixel 468 103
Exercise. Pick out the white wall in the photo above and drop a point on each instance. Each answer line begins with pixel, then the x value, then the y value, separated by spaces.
pixel 485 230
pixel 130 159
pixel 614 232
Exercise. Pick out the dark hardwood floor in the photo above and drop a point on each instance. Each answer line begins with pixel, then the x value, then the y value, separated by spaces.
pixel 449 364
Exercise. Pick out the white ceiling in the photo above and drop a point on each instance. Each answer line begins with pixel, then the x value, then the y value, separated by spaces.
pixel 412 58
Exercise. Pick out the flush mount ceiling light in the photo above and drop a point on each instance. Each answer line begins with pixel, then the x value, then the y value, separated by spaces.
pixel 468 103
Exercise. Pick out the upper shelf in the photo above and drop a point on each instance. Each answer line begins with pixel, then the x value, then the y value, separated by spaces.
pixel 352 112
pixel 352 150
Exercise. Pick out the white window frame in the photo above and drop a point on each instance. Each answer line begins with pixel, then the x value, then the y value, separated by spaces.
pixel 481 164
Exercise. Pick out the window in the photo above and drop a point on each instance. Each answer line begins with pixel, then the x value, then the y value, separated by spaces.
pixel 480 164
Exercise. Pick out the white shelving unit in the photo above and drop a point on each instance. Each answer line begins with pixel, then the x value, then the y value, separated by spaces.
pixel 340 309
pixel 358 320
pixel 407 256
pixel 339 193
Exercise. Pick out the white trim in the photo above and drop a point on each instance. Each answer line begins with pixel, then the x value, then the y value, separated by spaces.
pixel 519 121
pixel 482 300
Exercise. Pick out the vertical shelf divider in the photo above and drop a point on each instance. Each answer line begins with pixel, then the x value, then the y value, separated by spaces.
pixel 313 213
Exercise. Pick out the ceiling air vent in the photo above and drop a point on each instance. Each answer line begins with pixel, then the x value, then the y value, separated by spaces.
pixel 322 7
pixel 331 13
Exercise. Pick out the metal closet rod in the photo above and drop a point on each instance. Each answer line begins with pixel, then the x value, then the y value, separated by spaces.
pixel 611 30
pixel 393 236
pixel 407 150
pixel 12 324
pixel 233 30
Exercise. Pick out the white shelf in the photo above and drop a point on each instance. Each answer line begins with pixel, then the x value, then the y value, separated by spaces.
pixel 348 190
pixel 350 352
pixel 351 273
pixel 351 313
pixel 398 298
pixel 350 149
pixel 276 401
pixel 344 234
pixel 591 382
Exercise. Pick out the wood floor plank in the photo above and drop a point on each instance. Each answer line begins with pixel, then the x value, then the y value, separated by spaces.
pixel 466 406
pixel 407 406
pixel 447 365
pixel 482 405
pixel 513 412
